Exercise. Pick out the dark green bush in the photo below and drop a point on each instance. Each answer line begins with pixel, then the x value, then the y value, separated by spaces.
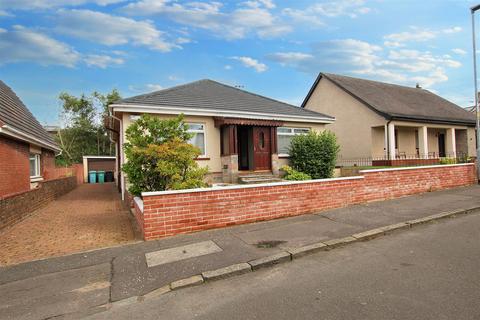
pixel 292 174
pixel 314 154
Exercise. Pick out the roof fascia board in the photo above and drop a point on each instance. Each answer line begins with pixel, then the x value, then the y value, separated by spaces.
pixel 17 134
pixel 215 112
pixel 429 120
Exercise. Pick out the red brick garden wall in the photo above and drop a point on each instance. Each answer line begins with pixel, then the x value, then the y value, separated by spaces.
pixel 17 207
pixel 169 213
pixel 14 166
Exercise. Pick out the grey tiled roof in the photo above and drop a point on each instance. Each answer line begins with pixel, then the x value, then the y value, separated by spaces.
pixel 400 102
pixel 16 115
pixel 209 94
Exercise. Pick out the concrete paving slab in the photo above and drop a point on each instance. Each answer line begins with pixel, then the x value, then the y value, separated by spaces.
pixel 132 276
pixel 57 293
pixel 298 234
pixel 157 258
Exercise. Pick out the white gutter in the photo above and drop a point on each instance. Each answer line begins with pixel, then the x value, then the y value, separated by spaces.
pixel 8 130
pixel 215 113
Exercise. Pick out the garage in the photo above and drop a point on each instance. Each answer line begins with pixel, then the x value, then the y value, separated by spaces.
pixel 99 164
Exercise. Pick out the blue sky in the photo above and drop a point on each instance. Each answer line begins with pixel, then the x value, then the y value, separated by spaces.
pixel 271 47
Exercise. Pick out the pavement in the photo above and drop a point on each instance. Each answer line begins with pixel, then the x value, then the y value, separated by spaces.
pixel 90 282
pixel 429 273
pixel 89 217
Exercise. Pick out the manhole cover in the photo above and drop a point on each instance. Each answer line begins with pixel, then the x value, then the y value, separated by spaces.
pixel 269 243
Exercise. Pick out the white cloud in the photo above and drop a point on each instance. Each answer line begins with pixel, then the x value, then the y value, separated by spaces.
pixel 111 30
pixel 289 58
pixel 21 44
pixel 316 13
pixel 251 17
pixel 252 63
pixel 227 67
pixel 360 58
pixel 459 51
pixel 102 61
pixel 452 30
pixel 150 87
pixel 181 40
pixel 47 4
pixel 416 34
pixel 4 13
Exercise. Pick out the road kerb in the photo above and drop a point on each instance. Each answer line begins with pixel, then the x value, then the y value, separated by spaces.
pixel 334 243
pixel 396 226
pixel 157 292
pixel 232 270
pixel 306 250
pixel 187 282
pixel 270 260
pixel 369 234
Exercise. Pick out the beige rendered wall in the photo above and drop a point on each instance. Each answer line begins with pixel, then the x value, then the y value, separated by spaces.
pixel 471 141
pixel 406 141
pixel 319 127
pixel 378 142
pixel 212 138
pixel 354 120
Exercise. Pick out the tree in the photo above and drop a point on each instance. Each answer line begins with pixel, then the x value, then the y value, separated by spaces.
pixel 159 156
pixel 83 132
pixel 314 154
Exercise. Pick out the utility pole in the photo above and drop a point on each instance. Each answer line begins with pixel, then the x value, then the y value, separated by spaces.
pixel 477 124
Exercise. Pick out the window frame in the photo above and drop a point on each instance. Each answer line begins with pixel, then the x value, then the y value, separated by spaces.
pixel 204 131
pixel 292 133
pixel 38 170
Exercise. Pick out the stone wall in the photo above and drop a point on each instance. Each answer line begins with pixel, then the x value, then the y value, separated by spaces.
pixel 169 213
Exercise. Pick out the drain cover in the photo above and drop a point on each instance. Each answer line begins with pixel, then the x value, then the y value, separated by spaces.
pixel 269 243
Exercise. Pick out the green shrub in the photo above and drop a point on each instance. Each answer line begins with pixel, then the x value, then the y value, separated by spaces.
pixel 292 174
pixel 448 160
pixel 314 154
pixel 159 156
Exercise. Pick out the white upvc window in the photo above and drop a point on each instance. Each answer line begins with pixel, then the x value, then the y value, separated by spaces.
pixel 35 165
pixel 199 138
pixel 284 138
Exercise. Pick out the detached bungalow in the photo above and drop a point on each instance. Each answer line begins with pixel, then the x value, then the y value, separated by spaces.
pixel 27 150
pixel 388 122
pixel 237 131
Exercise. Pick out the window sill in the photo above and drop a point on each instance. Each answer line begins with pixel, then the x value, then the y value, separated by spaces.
pixel 36 179
pixel 283 156
pixel 202 158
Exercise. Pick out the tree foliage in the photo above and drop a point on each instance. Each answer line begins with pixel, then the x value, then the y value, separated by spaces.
pixel 159 156
pixel 83 132
pixel 314 154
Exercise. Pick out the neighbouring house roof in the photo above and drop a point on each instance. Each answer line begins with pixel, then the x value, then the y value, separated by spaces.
pixel 399 102
pixel 18 122
pixel 211 98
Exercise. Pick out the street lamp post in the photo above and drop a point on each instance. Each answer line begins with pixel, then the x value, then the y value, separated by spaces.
pixel 477 124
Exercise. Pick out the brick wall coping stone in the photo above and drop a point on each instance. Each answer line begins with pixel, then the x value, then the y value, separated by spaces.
pixel 139 203
pixel 257 185
pixel 417 167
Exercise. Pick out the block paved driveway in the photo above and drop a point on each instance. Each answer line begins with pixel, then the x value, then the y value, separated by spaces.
pixel 89 217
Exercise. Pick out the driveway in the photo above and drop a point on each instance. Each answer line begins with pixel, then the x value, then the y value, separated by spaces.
pixel 89 217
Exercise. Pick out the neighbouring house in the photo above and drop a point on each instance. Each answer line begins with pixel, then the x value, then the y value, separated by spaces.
pixel 391 124
pixel 27 150
pixel 237 131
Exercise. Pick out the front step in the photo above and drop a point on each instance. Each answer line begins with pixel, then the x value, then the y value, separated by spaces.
pixel 258 178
